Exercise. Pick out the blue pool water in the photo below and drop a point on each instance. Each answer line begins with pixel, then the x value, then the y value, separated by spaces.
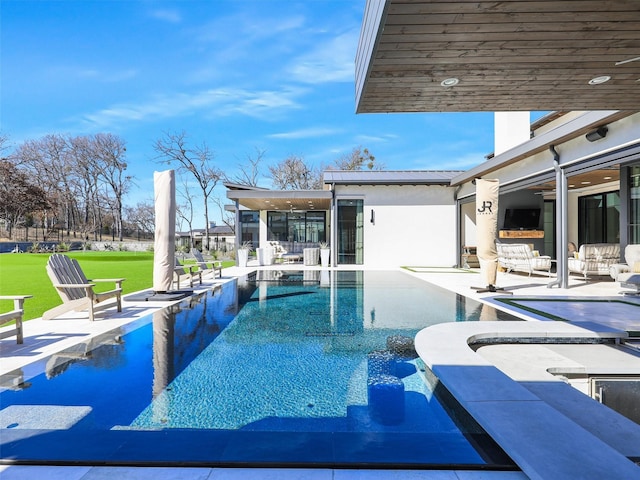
pixel 283 368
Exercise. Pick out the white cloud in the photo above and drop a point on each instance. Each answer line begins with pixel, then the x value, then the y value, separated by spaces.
pixel 247 27
pixel 332 61
pixel 306 133
pixel 166 15
pixel 450 161
pixel 69 72
pixel 368 139
pixel 221 102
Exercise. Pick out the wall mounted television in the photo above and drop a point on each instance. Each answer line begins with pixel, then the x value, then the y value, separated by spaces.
pixel 521 219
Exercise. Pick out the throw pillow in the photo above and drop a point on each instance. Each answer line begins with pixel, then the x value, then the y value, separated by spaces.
pixel 636 267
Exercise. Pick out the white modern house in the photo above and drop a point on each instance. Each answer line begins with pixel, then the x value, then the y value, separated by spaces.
pixel 372 218
pixel 577 173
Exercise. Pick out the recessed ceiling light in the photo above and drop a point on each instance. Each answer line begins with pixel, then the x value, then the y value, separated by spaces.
pixel 606 178
pixel 599 80
pixel 449 82
pixel 585 183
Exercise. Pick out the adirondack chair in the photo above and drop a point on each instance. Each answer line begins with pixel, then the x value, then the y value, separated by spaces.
pixel 215 265
pixel 15 314
pixel 76 291
pixel 188 271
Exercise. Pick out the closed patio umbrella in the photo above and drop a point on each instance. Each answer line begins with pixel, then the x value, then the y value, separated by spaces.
pixel 487 227
pixel 165 230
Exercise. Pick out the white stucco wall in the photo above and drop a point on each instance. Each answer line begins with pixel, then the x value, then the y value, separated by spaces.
pixel 510 129
pixel 414 225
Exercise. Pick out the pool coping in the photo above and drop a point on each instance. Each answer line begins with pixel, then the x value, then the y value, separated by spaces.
pixel 542 440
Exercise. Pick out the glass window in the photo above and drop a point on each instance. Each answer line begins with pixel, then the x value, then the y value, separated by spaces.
pixel 351 232
pixel 549 225
pixel 599 218
pixel 277 226
pixel 315 228
pixel 634 204
pixel 250 227
pixel 302 227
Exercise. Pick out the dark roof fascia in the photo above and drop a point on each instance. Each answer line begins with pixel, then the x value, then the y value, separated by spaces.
pixel 411 177
pixel 561 134
pixel 240 186
pixel 297 194
pixel 372 27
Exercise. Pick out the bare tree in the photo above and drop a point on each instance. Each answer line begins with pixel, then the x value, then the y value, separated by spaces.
pixel 81 159
pixel 173 149
pixel 19 196
pixel 185 210
pixel 249 173
pixel 83 178
pixel 141 217
pixel 48 159
pixel 293 173
pixel 228 218
pixel 4 141
pixel 357 159
pixel 110 152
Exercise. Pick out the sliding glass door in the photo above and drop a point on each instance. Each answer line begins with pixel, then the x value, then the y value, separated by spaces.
pixel 634 204
pixel 599 218
pixel 351 232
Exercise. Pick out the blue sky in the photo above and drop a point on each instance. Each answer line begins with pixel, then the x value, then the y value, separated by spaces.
pixel 241 75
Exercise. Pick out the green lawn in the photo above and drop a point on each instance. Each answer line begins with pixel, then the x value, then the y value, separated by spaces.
pixel 25 274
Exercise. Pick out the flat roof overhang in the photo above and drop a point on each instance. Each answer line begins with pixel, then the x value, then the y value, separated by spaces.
pixel 519 55
pixel 565 132
pixel 389 177
pixel 285 200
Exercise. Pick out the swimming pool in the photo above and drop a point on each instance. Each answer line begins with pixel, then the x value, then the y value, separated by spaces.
pixel 278 368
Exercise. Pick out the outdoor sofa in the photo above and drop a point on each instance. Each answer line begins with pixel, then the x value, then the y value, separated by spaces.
pixel 628 274
pixel 519 257
pixel 594 259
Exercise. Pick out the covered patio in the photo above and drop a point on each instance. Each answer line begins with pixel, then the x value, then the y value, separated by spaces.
pixel 577 60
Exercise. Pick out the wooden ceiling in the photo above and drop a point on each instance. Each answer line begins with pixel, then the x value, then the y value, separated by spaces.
pixel 587 180
pixel 519 55
pixel 282 200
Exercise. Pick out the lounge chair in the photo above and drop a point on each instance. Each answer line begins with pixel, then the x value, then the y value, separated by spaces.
pixel 189 272
pixel 214 265
pixel 15 314
pixel 76 291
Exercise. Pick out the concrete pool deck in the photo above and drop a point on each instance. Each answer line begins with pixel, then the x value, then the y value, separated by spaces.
pixel 45 338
